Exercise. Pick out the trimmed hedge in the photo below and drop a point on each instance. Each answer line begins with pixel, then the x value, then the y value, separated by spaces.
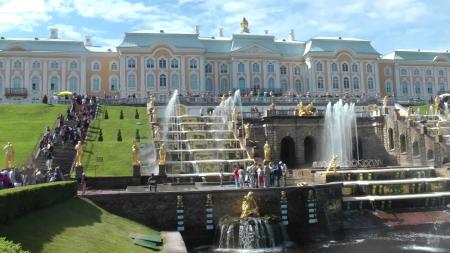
pixel 10 247
pixel 18 201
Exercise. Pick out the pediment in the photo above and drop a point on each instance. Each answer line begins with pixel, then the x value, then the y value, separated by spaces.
pixel 15 47
pixel 255 49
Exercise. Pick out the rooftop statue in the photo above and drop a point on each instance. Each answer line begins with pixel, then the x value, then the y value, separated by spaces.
pixel 332 166
pixel 79 155
pixel 267 151
pixel 9 158
pixel 249 207
pixel 244 26
pixel 136 154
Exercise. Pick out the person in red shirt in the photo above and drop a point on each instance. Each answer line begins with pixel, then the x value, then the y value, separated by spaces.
pixel 236 175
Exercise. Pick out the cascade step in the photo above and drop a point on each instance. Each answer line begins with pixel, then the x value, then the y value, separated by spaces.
pixel 397 197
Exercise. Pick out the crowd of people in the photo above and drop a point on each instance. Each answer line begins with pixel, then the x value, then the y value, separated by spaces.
pixel 272 174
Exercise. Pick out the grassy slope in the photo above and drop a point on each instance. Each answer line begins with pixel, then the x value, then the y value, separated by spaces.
pixel 22 125
pixel 116 155
pixel 424 109
pixel 76 225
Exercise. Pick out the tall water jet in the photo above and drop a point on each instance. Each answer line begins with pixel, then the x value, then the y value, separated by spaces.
pixel 339 130
pixel 170 116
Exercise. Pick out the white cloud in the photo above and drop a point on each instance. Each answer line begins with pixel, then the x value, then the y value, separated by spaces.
pixel 20 15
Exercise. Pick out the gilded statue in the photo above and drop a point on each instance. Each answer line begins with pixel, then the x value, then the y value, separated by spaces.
pixel 271 93
pixel 209 201
pixel 179 201
pixel 272 107
pixel 244 26
pixel 438 128
pixel 222 100
pixel 247 131
pixel 154 114
pixel 300 108
pixel 162 155
pixel 251 94
pixel 437 105
pixel 410 111
pixel 9 157
pixel 79 155
pixel 156 133
pixel 283 196
pixel 307 110
pixel 332 166
pixel 234 115
pixel 151 102
pixel 385 101
pixel 249 207
pixel 136 154
pixel 267 151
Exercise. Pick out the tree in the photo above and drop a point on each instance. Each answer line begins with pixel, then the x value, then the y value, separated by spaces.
pixel 138 136
pixel 45 99
pixel 119 136
pixel 106 114
pixel 121 114
pixel 136 114
pixel 100 135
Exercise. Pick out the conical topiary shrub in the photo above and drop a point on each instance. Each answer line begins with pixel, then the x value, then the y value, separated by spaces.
pixel 138 136
pixel 136 114
pixel 106 114
pixel 45 99
pixel 100 135
pixel 119 136
pixel 121 114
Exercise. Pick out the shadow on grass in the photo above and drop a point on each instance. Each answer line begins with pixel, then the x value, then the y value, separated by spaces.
pixel 36 229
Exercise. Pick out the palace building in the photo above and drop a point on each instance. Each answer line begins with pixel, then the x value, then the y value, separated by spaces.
pixel 158 63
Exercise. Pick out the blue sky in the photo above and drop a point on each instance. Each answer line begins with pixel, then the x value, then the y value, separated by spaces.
pixel 389 24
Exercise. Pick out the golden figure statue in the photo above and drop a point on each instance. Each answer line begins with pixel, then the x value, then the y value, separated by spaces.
pixel 247 131
pixel 222 100
pixel 136 154
pixel 332 166
pixel 272 107
pixel 234 115
pixel 154 114
pixel 437 105
pixel 410 111
pixel 162 155
pixel 156 133
pixel 385 101
pixel 271 93
pixel 283 196
pixel 179 201
pixel 267 151
pixel 9 157
pixel 244 26
pixel 251 94
pixel 307 110
pixel 209 200
pixel 300 108
pixel 151 102
pixel 79 155
pixel 438 128
pixel 249 207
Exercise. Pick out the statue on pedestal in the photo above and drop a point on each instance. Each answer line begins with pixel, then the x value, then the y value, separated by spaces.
pixel 162 155
pixel 154 114
pixel 249 207
pixel 79 155
pixel 437 105
pixel 222 100
pixel 9 157
pixel 410 111
pixel 385 101
pixel 247 131
pixel 300 108
pixel 438 128
pixel 307 110
pixel 332 166
pixel 234 115
pixel 135 154
pixel 244 26
pixel 156 133
pixel 267 152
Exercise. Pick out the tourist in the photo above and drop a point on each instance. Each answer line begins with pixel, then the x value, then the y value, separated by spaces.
pixel 83 183
pixel 6 180
pixel 58 174
pixel 250 175
pixel 284 171
pixel 49 156
pixel 241 173
pixel 260 172
pixel 221 176
pixel 236 175
pixel 278 172
pixel 267 175
pixel 272 174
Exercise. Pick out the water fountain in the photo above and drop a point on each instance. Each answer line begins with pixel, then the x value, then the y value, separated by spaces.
pixel 339 130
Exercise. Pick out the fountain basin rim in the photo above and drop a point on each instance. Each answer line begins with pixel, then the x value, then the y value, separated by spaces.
pixel 203 150
pixel 363 170
pixel 210 161
pixel 396 197
pixel 397 181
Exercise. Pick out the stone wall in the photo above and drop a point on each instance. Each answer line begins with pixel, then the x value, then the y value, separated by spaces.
pixel 158 210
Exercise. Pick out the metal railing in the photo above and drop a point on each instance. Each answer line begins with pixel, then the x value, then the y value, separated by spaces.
pixel 16 92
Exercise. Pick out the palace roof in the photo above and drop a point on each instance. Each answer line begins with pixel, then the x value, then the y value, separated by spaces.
pixel 417 55
pixel 334 44
pixel 42 45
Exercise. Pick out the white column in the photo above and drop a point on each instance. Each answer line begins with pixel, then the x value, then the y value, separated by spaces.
pixel 83 75
pixel 436 81
pixel 247 65
pixel 63 75
pixel 142 70
pixel 8 73
pixel 122 76
pixel 263 83
pixel 398 83
pixel 45 76
pixel 202 74
pixel 183 75
pixel 216 67
pixel 233 72
pixel 277 74
pixel 27 83
pixel 377 75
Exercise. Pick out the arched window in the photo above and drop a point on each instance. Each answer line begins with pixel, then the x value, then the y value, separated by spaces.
pixel 271 85
pixel 175 82
pixel 54 65
pixel 334 67
pixel 369 68
pixel 429 72
pixel 174 63
pixel 345 67
pixel 335 83
pixel 417 85
pixel 405 85
pixel 193 63
pixel 241 67
pixel 354 67
pixel 36 65
pixel 73 65
pixel 209 85
pixel 224 85
pixel 208 68
pixel 223 68
pixel 96 83
pixel 113 84
pixel 355 83
pixel 404 72
pixel 162 63
pixel 193 82
pixel 17 82
pixel 162 80
pixel 256 84
pixel 284 86
pixel 131 63
pixel 388 85
pixel 370 83
pixel 346 83
pixel 96 66
pixel 150 63
pixel 320 82
pixel 73 84
pixel 54 83
pixel 35 81
pixel 430 154
pixel 319 67
pixel 416 72
pixel 242 85
pixel 442 87
pixel 430 87
pixel 17 65
pixel 415 148
pixel 255 67
pixel 387 71
pixel 441 72
pixel 132 81
pixel 298 86
pixel 297 71
pixel 402 143
pixel 270 68
pixel 150 81
pixel 114 66
pixel 283 70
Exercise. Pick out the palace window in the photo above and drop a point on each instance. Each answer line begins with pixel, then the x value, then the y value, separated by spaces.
pixel 346 83
pixel 270 68
pixel 355 83
pixel 271 84
pixel 193 82
pixel 429 72
pixel 223 68
pixel 441 72
pixel 132 81
pixel 405 85
pixel 256 82
pixel 208 68
pixel 298 86
pixel 283 70
pixel 73 65
pixel 387 71
pixel 430 88
pixel 113 66
pixel 73 84
pixel 241 67
pixel 334 67
pixel 36 65
pixel 417 87
pixel 96 66
pixel 242 85
pixel 370 83
pixel 96 83
pixel 175 82
pixel 114 84
pixel 297 71
pixel 162 80
pixel 345 67
pixel 255 68
pixel 17 82
pixel 162 63
pixel 54 83
pixel 335 83
pixel 17 65
pixel 404 72
pixel 224 85
pixel 354 67
pixel 1 64
pixel 54 65
pixel 416 72
pixel 389 87
pixel 284 86
pixel 150 63
pixel 174 63
pixel 193 64
pixel 150 82
pixel 369 68
pixel 319 67
pixel 209 85
pixel 442 87
pixel 320 82
pixel 131 63
pixel 35 83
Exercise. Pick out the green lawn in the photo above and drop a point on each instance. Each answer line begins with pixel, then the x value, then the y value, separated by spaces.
pixel 423 109
pixel 116 155
pixel 76 226
pixel 22 125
